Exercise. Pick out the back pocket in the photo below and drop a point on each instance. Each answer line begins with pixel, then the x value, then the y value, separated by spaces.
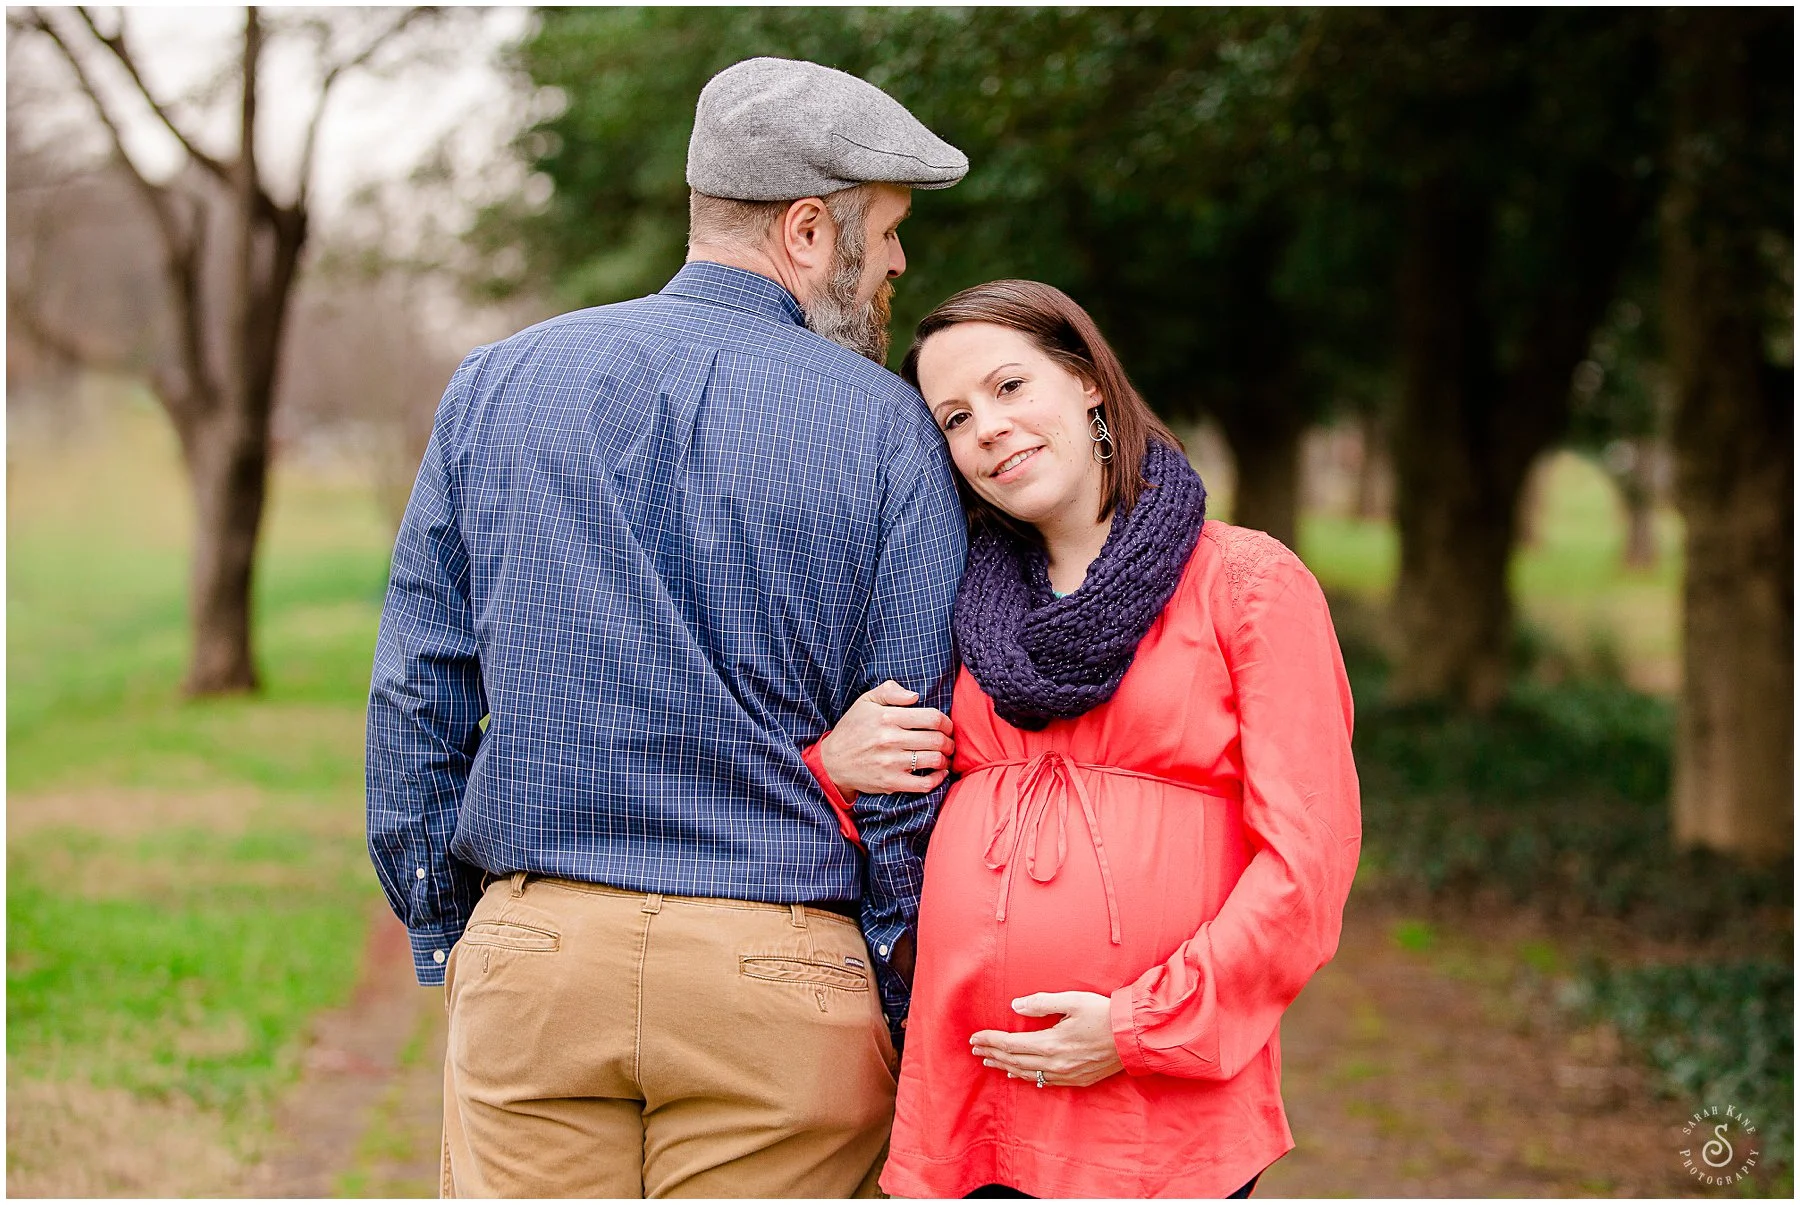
pixel 803 970
pixel 510 935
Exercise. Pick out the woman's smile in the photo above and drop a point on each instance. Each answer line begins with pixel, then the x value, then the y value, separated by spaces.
pixel 1011 468
pixel 1016 421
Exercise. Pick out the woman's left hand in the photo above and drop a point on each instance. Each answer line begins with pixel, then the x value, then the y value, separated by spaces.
pixel 1077 1051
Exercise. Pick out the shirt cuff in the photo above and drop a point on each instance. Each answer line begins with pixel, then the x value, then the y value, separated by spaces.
pixel 1124 1031
pixel 896 994
pixel 815 761
pixel 430 951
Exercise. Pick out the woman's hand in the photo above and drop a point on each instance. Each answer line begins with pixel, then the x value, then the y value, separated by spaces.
pixel 872 750
pixel 1077 1051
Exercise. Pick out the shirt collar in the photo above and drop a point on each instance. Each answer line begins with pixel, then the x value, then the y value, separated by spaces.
pixel 737 288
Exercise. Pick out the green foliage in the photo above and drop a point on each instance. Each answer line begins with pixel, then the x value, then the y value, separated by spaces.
pixel 1415 935
pixel 1559 802
pixel 1716 1034
pixel 1137 158
pixel 1559 799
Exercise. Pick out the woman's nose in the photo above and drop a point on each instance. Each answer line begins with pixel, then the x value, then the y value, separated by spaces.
pixel 990 424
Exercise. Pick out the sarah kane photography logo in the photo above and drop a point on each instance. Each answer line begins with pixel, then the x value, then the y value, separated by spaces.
pixel 1721 1145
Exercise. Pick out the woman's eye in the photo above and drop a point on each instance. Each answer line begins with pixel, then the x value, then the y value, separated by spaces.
pixel 955 420
pixel 1010 384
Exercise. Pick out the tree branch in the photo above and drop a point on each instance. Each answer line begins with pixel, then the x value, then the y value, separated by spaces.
pixel 24 311
pixel 121 52
pixel 332 75
pixel 155 193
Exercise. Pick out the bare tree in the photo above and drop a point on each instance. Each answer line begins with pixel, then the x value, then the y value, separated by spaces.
pixel 218 379
pixel 360 367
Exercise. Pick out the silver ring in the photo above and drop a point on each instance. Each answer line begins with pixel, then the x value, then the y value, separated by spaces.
pixel 1040 1081
pixel 915 761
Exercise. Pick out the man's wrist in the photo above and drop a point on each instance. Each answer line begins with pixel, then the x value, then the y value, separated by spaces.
pixel 431 952
pixel 832 771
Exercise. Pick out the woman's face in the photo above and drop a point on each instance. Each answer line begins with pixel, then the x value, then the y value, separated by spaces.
pixel 1017 422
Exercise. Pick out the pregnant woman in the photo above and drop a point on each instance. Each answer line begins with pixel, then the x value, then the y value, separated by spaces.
pixel 1155 824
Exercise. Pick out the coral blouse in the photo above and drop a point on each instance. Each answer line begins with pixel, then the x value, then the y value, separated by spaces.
pixel 1185 849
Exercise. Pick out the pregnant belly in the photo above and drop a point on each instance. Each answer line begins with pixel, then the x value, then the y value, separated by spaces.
pixel 1016 899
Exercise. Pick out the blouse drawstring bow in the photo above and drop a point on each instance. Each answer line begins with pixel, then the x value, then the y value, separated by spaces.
pixel 1044 787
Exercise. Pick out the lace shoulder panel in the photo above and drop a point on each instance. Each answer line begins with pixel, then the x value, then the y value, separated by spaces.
pixel 1246 556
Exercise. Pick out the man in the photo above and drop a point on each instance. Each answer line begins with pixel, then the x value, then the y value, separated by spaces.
pixel 661 546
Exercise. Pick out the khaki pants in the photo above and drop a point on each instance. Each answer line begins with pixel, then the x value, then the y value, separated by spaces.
pixel 606 1043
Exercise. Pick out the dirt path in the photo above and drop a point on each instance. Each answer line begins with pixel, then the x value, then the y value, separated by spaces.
pixel 1407 1073
pixel 364 1119
pixel 1442 1073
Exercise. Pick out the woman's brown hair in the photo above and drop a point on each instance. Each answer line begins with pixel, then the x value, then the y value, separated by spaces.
pixel 1063 331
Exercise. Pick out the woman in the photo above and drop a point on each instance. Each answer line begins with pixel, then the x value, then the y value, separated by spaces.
pixel 1155 825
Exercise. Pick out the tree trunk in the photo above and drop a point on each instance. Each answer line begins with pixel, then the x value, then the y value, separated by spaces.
pixel 1469 429
pixel 226 443
pixel 1734 431
pixel 220 383
pixel 1637 495
pixel 227 458
pixel 1641 552
pixel 1451 603
pixel 1265 447
pixel 1455 518
pixel 1534 500
pixel 1374 473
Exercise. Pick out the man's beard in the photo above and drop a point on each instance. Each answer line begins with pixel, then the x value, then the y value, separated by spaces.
pixel 834 313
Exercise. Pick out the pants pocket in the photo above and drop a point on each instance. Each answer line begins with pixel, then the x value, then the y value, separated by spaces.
pixel 511 935
pixel 816 971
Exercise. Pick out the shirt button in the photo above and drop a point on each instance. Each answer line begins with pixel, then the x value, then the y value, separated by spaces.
pixel 437 956
pixel 883 950
pixel 419 873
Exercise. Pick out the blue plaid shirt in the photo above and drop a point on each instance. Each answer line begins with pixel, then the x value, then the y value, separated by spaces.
pixel 662 546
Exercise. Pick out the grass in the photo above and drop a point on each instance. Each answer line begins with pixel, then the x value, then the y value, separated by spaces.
pixel 187 885
pixel 402 1128
pixel 1568 580
pixel 186 882
pixel 1558 802
pixel 1717 1034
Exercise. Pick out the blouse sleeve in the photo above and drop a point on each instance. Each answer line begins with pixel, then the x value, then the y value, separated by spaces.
pixel 815 761
pixel 1215 1003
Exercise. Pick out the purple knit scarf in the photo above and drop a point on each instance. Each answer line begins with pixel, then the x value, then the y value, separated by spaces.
pixel 1042 658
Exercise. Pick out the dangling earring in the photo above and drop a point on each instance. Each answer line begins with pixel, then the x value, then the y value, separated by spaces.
pixel 1101 437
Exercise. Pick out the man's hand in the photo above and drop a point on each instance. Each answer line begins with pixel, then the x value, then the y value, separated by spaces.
pixel 874 747
pixel 1079 1050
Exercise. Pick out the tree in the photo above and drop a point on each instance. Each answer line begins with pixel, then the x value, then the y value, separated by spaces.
pixel 1131 157
pixel 1621 417
pixel 1727 300
pixel 1515 146
pixel 216 374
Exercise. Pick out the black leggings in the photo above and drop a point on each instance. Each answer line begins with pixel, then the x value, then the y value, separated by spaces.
pixel 1002 1190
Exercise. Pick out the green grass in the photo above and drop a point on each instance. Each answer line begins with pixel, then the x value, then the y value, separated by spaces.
pixel 1715 1033
pixel 1559 800
pixel 186 881
pixel 187 884
pixel 1573 593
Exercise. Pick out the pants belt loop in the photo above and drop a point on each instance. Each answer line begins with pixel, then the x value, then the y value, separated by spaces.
pixel 799 915
pixel 518 883
pixel 653 903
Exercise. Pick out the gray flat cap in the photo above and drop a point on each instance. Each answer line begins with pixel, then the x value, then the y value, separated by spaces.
pixel 780 129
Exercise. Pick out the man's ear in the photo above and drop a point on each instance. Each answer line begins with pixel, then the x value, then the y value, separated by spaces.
pixel 806 234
